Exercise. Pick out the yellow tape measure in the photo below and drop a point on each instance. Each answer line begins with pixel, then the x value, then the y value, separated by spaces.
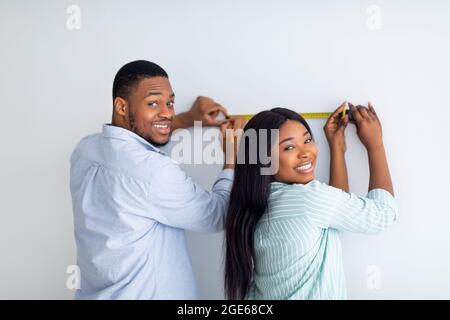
pixel 306 115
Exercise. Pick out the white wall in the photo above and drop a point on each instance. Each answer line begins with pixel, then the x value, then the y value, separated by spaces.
pixel 55 87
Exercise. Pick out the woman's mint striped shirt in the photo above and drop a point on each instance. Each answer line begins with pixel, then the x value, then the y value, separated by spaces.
pixel 297 246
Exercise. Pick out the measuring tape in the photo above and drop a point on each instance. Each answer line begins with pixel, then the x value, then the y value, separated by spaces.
pixel 306 115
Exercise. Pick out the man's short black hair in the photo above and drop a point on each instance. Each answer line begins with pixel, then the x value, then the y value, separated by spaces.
pixel 130 74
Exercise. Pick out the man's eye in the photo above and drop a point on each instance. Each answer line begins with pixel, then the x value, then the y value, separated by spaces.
pixel 289 148
pixel 153 104
pixel 171 104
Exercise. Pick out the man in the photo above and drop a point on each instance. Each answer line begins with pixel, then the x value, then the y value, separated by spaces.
pixel 131 202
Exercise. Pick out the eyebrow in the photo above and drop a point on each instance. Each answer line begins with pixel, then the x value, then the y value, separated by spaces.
pixel 157 93
pixel 291 138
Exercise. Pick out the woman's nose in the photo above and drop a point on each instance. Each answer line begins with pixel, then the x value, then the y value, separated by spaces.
pixel 303 155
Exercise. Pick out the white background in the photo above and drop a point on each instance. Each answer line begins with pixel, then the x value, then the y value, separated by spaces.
pixel 55 88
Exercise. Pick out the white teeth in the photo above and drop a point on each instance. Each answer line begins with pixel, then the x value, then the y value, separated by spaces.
pixel 304 167
pixel 161 126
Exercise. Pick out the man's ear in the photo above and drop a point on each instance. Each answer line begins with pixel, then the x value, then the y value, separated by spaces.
pixel 120 107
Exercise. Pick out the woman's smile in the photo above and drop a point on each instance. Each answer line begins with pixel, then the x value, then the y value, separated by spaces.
pixel 306 167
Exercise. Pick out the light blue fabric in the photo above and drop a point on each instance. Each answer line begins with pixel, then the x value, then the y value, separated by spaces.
pixel 297 244
pixel 131 204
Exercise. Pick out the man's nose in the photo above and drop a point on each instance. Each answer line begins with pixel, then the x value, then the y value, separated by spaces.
pixel 166 112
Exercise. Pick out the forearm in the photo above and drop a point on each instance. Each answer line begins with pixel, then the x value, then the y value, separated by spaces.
pixel 338 170
pixel 229 160
pixel 230 148
pixel 379 170
pixel 181 121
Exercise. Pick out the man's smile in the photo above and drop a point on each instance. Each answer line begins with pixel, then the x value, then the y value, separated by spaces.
pixel 162 127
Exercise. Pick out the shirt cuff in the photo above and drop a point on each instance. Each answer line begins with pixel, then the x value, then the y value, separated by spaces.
pixel 226 174
pixel 224 180
pixel 383 196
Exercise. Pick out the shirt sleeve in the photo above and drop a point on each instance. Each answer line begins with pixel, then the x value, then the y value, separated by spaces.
pixel 179 202
pixel 330 207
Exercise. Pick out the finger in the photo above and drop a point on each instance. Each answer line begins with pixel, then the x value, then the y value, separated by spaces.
pixel 372 110
pixel 239 123
pixel 228 134
pixel 216 123
pixel 234 121
pixel 212 118
pixel 350 114
pixel 363 111
pixel 355 113
pixel 222 121
pixel 344 122
pixel 224 126
pixel 334 117
pixel 340 108
pixel 214 115
pixel 216 108
pixel 337 113
pixel 366 113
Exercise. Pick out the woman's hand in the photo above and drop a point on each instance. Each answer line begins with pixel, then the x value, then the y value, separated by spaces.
pixel 368 126
pixel 335 129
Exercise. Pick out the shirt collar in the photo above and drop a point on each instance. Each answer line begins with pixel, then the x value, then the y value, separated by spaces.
pixel 111 131
pixel 275 185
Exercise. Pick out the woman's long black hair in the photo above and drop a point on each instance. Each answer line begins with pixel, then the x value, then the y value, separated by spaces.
pixel 248 202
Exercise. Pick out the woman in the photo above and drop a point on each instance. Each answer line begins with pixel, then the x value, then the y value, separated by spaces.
pixel 282 230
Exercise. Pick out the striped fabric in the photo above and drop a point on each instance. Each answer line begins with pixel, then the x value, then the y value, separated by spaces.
pixel 297 244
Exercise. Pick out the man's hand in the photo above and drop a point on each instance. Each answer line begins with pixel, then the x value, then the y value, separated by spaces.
pixel 203 109
pixel 231 132
pixel 335 129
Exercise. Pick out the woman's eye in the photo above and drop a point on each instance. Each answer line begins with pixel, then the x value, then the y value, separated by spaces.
pixel 308 140
pixel 289 148
pixel 153 104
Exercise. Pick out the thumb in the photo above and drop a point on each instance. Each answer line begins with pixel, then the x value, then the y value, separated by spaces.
pixel 224 126
pixel 343 123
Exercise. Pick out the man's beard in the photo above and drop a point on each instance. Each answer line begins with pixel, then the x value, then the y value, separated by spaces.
pixel 134 129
